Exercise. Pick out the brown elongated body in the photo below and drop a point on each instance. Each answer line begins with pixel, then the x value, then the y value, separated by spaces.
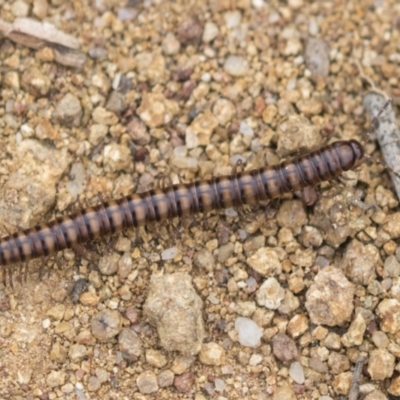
pixel 246 187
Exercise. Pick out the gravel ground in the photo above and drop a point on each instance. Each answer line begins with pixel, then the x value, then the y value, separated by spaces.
pixel 293 303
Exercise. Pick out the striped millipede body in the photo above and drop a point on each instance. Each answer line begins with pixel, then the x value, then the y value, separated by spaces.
pixel 161 204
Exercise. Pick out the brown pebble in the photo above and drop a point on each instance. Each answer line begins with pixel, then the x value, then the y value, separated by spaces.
pixel 190 31
pixel 284 347
pixel 184 382
pixel 132 315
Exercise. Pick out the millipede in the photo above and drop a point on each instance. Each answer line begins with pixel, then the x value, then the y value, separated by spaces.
pixel 178 200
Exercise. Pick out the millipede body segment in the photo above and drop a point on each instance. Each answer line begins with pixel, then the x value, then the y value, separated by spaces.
pixel 235 190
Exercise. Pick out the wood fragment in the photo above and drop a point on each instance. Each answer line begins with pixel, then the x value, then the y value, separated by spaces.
pixel 387 132
pixel 36 35
pixel 69 57
pixel 355 384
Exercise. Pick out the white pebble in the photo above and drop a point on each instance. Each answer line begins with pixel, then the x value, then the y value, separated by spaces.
pixel 180 151
pixel 210 32
pixel 169 254
pixel 291 84
pixel 296 372
pixel 127 14
pixel 236 66
pixel 242 234
pixel 257 3
pixel 251 285
pixel 76 184
pixel 184 162
pixel 212 298
pixel 249 332
pixel 46 323
pixel 313 28
pixel 79 393
pixel 206 77
pixel 26 130
pixel 255 359
pixel 231 212
pixel 270 294
pixel 219 385
pixel 245 129
pixel 232 19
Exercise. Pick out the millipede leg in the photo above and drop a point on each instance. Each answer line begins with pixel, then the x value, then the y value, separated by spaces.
pixel 172 231
pixel 270 210
pixel 237 166
pixel 111 242
pixel 308 196
pixel 391 170
pixel 81 251
pixel 163 181
pixel 4 276
pixel 244 213
pixel 26 265
pixel 41 268
pixel 137 237
pixel 10 278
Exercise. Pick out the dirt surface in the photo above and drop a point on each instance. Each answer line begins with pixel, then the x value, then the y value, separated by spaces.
pixel 280 305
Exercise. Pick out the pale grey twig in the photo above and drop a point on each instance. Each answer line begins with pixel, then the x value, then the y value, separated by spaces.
pixel 387 133
pixel 355 383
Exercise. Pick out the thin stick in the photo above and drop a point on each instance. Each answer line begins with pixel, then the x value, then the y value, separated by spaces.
pixel 387 132
pixel 355 384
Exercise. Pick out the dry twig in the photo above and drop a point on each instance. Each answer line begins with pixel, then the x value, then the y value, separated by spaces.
pixel 36 35
pixel 387 133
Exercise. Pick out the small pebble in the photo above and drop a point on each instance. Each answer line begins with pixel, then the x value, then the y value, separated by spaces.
pixel 155 110
pixel 56 378
pixel 127 14
pixel 245 129
pixel 20 9
pixel 249 332
pixel 36 82
pixel 210 32
pixel 388 311
pixel 156 358
pixel 296 372
pixel 381 364
pixel 270 294
pixel 68 111
pixel 219 385
pixel 265 261
pixel 329 300
pixel 79 287
pixel 317 57
pixel 106 325
pixel 170 44
pixel 284 347
pixel 94 384
pixel 165 378
pixel 184 383
pixel 129 344
pixel 108 264
pixel 190 31
pixel 184 305
pixel 212 354
pixel 236 66
pixel 147 382
pixel 77 352
pixel 169 254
